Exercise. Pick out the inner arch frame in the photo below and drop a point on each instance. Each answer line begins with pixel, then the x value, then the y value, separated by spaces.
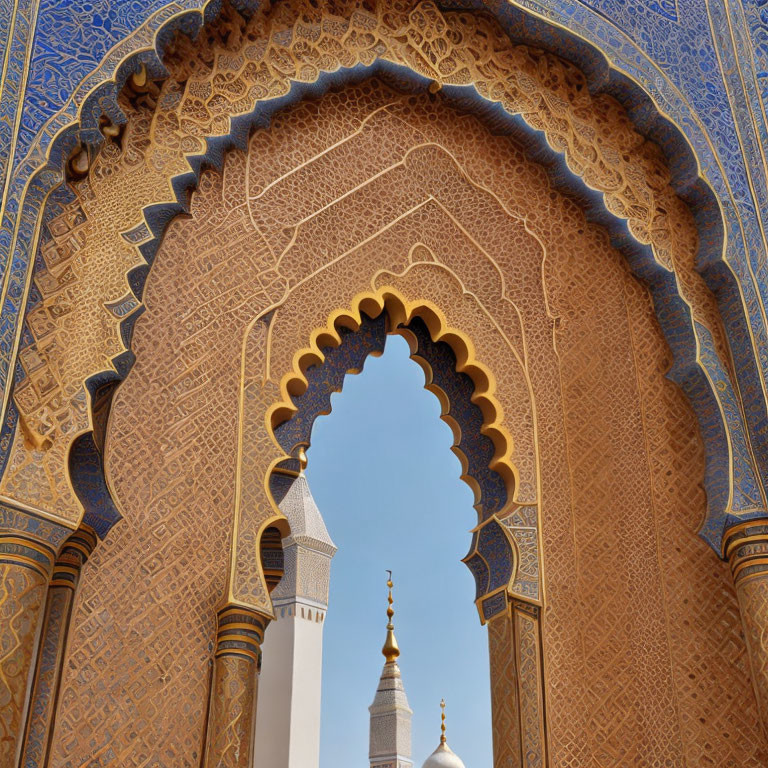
pixel 493 555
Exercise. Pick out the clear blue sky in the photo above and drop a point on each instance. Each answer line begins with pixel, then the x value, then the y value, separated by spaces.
pixel 384 477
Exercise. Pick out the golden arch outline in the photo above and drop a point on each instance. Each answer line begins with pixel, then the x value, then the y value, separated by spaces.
pixel 401 312
pixel 294 382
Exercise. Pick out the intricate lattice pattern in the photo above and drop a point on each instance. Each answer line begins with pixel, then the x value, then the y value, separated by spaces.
pixel 367 188
pixel 225 73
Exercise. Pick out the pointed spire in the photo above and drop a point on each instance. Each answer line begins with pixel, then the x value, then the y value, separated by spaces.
pixel 390 650
pixel 442 721
pixel 390 735
pixel 443 756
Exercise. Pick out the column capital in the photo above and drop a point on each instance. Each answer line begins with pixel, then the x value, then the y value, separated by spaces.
pixel 73 556
pixel 20 549
pixel 745 546
pixel 29 541
pixel 240 632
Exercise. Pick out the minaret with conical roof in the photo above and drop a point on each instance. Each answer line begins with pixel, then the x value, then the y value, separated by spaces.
pixel 287 732
pixel 390 742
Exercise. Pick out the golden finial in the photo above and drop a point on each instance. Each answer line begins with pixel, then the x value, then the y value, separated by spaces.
pixel 390 649
pixel 302 459
pixel 442 721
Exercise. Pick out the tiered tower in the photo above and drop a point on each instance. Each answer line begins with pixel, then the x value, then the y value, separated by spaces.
pixel 390 741
pixel 288 713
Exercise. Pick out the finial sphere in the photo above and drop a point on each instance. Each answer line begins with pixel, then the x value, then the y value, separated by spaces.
pixel 390 650
pixel 442 721
pixel 443 756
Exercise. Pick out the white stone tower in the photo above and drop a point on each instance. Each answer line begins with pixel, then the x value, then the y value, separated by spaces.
pixel 288 710
pixel 390 743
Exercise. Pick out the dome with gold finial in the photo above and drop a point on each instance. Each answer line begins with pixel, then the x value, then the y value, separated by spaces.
pixel 443 756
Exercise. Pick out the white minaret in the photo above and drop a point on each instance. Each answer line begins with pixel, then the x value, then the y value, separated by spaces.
pixel 390 744
pixel 288 708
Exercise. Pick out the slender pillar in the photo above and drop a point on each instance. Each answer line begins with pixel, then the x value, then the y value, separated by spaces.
pixel 58 610
pixel 505 700
pixel 746 547
pixel 233 691
pixel 28 548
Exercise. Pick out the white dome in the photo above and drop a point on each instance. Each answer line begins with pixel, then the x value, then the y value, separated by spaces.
pixel 443 757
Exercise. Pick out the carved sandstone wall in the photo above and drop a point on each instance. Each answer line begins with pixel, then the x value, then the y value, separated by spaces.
pixel 644 659
pixel 236 65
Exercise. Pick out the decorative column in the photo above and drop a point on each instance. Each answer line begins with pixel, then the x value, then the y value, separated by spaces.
pixel 233 690
pixel 746 547
pixel 28 546
pixel 517 687
pixel 58 610
pixel 505 699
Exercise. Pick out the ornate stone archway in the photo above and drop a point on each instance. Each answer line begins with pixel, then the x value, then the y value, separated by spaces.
pixel 209 102
pixel 103 234
pixel 504 556
pixel 624 560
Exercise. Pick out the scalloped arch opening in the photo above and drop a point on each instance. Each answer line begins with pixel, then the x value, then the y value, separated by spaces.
pixel 401 316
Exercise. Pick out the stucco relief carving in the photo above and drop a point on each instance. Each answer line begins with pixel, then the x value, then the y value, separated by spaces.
pixel 621 464
pixel 238 64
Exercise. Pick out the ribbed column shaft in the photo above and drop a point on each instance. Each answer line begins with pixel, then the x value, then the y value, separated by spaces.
pixel 58 611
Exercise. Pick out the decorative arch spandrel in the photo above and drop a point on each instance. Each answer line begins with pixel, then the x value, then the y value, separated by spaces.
pixel 218 79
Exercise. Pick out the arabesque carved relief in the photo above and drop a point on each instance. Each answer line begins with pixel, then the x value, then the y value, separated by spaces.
pixel 369 190
pixel 238 64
